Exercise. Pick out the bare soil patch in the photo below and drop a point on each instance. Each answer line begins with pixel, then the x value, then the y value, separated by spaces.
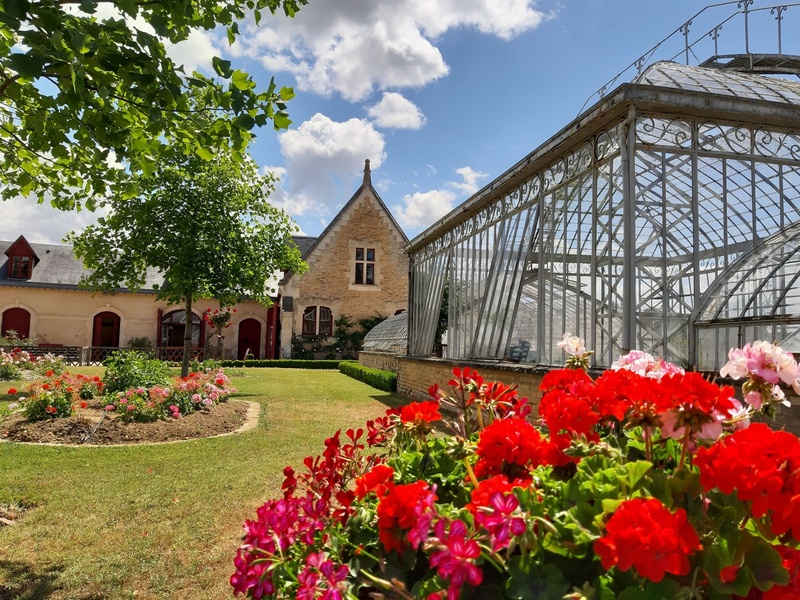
pixel 222 418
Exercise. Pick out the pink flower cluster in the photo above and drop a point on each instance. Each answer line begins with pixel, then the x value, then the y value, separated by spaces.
pixel 766 365
pixel 646 365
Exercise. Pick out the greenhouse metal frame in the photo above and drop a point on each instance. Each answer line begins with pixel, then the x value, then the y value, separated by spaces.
pixel 662 219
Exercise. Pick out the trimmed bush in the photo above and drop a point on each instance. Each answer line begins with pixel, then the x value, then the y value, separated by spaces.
pixel 286 363
pixel 377 378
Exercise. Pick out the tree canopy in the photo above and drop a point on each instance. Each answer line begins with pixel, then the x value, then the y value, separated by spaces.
pixel 86 101
pixel 205 226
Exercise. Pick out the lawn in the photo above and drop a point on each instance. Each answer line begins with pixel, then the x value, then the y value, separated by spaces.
pixel 163 521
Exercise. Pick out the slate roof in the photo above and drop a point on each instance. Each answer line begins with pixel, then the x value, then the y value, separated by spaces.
pixel 57 269
pixel 304 243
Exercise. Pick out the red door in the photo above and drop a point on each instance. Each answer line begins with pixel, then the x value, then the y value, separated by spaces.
pixel 17 319
pixel 249 338
pixel 106 330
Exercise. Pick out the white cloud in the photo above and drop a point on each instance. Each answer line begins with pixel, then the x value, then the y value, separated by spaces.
pixel 396 112
pixel 41 223
pixel 323 159
pixel 422 209
pixel 352 47
pixel 195 52
pixel 471 179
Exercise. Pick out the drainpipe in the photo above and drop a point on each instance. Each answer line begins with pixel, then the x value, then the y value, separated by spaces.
pixel 627 140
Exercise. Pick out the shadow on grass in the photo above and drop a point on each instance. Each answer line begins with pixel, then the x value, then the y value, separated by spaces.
pixel 392 400
pixel 22 581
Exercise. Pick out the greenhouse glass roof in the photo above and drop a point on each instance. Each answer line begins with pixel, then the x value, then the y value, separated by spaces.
pixel 389 335
pixel 719 81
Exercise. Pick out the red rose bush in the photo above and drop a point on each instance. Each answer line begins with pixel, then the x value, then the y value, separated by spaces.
pixel 645 482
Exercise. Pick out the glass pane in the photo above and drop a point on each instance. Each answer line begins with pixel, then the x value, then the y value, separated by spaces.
pixel 359 254
pixel 359 272
pixel 370 274
pixel 370 254
pixel 325 321
pixel 310 321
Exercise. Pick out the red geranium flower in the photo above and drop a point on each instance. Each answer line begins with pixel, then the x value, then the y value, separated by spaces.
pixel 510 447
pixel 763 467
pixel 417 412
pixel 644 535
pixel 12 391
pixel 481 495
pixel 379 480
pixel 397 513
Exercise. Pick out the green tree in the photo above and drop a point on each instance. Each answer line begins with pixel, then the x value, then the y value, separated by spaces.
pixel 205 226
pixel 81 95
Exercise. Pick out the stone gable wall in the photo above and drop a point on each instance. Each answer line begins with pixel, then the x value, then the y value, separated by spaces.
pixel 329 280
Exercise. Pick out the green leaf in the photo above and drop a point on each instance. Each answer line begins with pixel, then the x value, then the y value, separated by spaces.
pixel 241 80
pixel 527 582
pixel 221 67
pixel 281 121
pixel 203 153
pixel 634 472
pixel 666 589
pixel 765 564
pixel 27 65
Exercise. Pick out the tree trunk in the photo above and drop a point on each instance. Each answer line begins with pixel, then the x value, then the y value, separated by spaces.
pixel 187 337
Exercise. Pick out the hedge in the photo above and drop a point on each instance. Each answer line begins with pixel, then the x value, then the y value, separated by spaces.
pixel 377 378
pixel 287 363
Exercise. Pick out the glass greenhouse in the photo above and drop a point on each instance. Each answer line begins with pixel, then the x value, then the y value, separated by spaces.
pixel 666 218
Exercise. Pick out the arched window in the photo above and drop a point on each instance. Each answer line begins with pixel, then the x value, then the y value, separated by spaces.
pixel 310 321
pixel 323 326
pixel 17 320
pixel 173 328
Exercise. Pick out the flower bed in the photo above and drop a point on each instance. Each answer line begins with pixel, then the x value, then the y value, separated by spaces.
pixel 71 408
pixel 647 482
pixel 59 395
pixel 20 363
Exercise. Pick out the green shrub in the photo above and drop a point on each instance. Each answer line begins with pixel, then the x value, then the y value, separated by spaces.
pixel 126 369
pixel 377 378
pixel 9 371
pixel 140 343
pixel 283 363
pixel 209 365
pixel 47 404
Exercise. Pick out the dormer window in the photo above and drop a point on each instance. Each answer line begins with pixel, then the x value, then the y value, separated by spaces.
pixel 21 259
pixel 20 267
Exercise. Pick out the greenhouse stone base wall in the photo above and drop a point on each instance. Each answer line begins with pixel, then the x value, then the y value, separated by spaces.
pixel 378 360
pixel 416 375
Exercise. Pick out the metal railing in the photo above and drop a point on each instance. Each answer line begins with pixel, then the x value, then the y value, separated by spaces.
pixel 734 34
pixel 96 355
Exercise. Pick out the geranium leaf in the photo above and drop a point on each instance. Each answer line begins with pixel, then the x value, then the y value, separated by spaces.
pixel 634 471
pixel 526 582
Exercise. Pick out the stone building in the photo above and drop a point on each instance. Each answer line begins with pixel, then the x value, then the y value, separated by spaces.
pixel 40 298
pixel 357 267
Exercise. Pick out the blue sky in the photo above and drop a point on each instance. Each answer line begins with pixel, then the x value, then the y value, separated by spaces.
pixel 442 97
